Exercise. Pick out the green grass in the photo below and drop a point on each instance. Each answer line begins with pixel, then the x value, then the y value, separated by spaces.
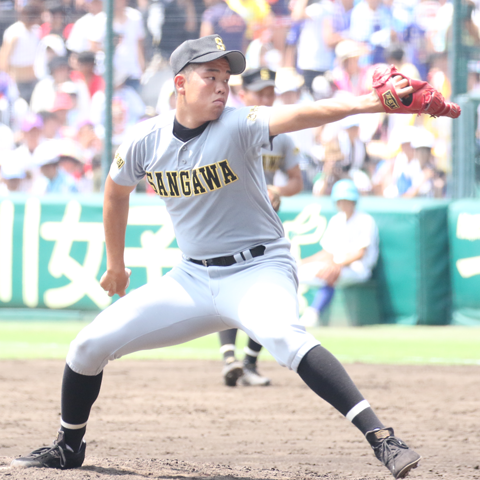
pixel 32 339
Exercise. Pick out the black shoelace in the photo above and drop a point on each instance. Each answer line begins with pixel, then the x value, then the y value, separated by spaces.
pixel 386 453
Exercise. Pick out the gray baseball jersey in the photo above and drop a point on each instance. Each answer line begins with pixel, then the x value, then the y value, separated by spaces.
pixel 282 155
pixel 213 185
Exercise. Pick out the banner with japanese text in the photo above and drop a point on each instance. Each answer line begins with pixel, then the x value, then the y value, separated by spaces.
pixel 52 252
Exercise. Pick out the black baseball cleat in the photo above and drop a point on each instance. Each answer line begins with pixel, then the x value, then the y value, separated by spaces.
pixel 232 371
pixel 392 452
pixel 57 455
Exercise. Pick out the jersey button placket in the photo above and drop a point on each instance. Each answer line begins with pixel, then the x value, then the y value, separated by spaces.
pixel 183 156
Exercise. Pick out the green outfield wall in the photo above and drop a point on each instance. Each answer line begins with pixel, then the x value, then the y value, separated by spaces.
pixel 464 232
pixel 52 255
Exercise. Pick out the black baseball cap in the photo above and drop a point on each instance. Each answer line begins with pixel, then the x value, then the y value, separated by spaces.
pixel 257 79
pixel 203 50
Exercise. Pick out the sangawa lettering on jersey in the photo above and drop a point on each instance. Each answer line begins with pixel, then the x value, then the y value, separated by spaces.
pixel 198 181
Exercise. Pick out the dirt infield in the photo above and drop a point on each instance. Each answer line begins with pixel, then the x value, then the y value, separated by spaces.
pixel 175 420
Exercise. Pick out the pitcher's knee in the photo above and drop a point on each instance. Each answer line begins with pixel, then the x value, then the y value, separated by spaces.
pixel 289 350
pixel 87 355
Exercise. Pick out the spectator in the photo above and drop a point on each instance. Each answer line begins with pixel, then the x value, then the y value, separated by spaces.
pixel 166 97
pixel 470 30
pixel 7 143
pixel 288 86
pixel 56 20
pixel 12 177
pixel 88 141
pixel 235 84
pixel 220 19
pixel 52 178
pixel 433 182
pixel 315 54
pixel 127 108
pixel 348 75
pixel 51 125
pixel 8 98
pixel 72 161
pixel 79 39
pixel 80 94
pixel 31 129
pixel 352 140
pixel 253 12
pixel 96 174
pixel 17 55
pixel 50 46
pixel 405 176
pixel 414 41
pixel 79 111
pixel 349 251
pixel 371 23
pixel 68 115
pixel 130 33
pixel 86 73
pixel 8 16
pixel 179 23
pixel 395 55
pixel 43 96
pixel 323 87
pixel 23 156
pixel 261 51
pixel 291 41
pixel 438 35
pixel 338 165
pixel 280 24
pixel 342 14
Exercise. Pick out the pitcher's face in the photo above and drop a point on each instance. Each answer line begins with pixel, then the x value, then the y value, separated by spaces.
pixel 205 89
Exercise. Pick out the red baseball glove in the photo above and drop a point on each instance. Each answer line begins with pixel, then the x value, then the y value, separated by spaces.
pixel 424 99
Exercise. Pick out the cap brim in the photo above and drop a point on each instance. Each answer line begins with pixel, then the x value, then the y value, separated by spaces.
pixel 235 58
pixel 50 161
pixel 260 85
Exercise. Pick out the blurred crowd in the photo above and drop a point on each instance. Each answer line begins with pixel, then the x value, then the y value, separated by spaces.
pixel 52 91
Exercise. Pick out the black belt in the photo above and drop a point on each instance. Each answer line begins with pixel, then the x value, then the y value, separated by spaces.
pixel 257 251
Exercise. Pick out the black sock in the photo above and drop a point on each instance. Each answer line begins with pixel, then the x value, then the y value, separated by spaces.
pixel 251 352
pixel 227 343
pixel 325 375
pixel 79 393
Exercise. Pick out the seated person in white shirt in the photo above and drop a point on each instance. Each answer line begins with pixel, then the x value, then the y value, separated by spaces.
pixel 349 251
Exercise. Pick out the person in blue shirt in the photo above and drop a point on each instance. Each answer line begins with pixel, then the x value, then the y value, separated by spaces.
pixel 53 179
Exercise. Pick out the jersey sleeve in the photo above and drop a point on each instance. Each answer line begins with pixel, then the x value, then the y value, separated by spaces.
pixel 127 166
pixel 292 154
pixel 253 126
